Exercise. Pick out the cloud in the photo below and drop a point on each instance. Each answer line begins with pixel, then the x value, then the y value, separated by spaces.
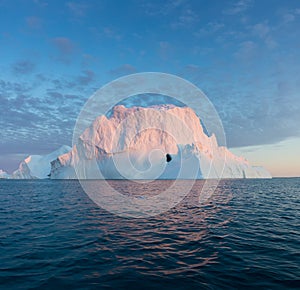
pixel 238 7
pixel 7 88
pixel 34 119
pixel 65 48
pixel 186 18
pixel 23 67
pixel 40 77
pixel 63 44
pixel 40 3
pixel 270 42
pixel 88 59
pixel 165 49
pixel 105 32
pixel 256 119
pixel 122 70
pixel 246 51
pixel 55 96
pixel 172 4
pixel 77 9
pixel 182 13
pixel 86 78
pixel 209 28
pixel 289 17
pixel 263 31
pixel 111 33
pixel 80 83
pixel 152 8
pixel 256 106
pixel 34 22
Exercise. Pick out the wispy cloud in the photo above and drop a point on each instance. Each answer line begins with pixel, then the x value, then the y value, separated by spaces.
pixel 88 59
pixel 246 50
pixel 31 121
pixel 254 112
pixel 263 31
pixel 65 48
pixel 152 8
pixel 209 28
pixel 86 77
pixel 23 67
pixel 186 18
pixel 41 3
pixel 165 49
pixel 78 9
pixel 290 15
pixel 34 22
pixel 63 44
pixel 182 12
pixel 8 88
pixel 108 32
pixel 124 69
pixel 238 7
pixel 80 83
pixel 111 33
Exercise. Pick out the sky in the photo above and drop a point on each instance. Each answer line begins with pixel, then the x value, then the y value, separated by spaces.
pixel 243 54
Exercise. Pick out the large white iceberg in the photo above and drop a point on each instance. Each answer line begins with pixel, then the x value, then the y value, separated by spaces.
pixel 38 166
pixel 158 142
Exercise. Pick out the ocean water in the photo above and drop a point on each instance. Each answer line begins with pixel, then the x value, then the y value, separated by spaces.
pixel 52 236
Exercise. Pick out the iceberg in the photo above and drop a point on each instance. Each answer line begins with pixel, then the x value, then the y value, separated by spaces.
pixel 38 166
pixel 157 142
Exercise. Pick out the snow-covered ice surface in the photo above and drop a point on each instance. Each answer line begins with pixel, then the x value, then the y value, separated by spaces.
pixel 38 166
pixel 133 143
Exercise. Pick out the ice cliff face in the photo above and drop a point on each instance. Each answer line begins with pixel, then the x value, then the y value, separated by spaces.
pixel 164 142
pixel 38 166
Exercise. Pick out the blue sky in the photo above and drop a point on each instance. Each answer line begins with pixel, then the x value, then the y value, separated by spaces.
pixel 244 54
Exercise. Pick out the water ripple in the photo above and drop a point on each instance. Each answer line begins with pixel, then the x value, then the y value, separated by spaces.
pixel 247 235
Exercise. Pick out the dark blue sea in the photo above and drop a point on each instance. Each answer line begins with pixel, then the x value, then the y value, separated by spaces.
pixel 247 236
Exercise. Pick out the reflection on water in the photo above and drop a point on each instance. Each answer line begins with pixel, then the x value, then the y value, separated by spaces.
pixel 142 200
pixel 245 235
